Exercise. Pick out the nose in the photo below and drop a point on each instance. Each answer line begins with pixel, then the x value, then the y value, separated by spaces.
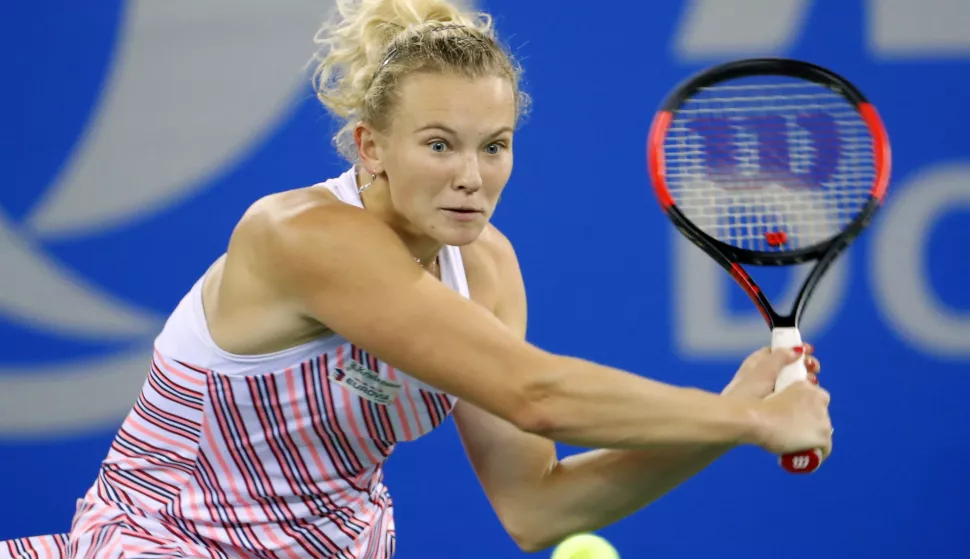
pixel 469 177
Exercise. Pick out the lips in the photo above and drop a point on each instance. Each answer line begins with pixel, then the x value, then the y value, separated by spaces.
pixel 462 214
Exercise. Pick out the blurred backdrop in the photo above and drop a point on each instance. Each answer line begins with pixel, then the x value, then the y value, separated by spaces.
pixel 133 134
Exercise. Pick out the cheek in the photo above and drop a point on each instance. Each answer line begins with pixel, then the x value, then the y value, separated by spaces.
pixel 405 168
pixel 411 195
pixel 405 196
pixel 497 176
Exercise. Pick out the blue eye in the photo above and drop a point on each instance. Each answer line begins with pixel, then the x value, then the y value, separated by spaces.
pixel 493 149
pixel 438 147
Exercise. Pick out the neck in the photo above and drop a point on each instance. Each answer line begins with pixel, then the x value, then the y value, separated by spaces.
pixel 377 200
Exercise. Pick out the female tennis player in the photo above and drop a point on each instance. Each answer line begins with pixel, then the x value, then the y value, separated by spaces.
pixel 351 315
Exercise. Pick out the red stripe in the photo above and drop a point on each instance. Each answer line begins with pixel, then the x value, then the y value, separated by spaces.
pixel 270 431
pixel 290 450
pixel 149 452
pixel 351 420
pixel 207 477
pixel 103 488
pixel 235 436
pixel 371 424
pixel 166 489
pixel 881 152
pixel 185 423
pixel 117 479
pixel 414 411
pixel 172 392
pixel 323 471
pixel 399 405
pixel 432 408
pixel 365 410
pixel 751 288
pixel 201 371
pixel 446 402
pixel 170 373
pixel 304 542
pixel 321 427
pixel 655 157
pixel 198 380
pixel 190 428
pixel 285 456
pixel 382 412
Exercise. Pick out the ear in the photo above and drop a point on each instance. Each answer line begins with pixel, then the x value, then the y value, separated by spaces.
pixel 368 148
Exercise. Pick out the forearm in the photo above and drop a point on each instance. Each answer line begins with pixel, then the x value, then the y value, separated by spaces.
pixel 587 491
pixel 594 406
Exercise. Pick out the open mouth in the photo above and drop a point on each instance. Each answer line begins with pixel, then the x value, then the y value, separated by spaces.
pixel 461 214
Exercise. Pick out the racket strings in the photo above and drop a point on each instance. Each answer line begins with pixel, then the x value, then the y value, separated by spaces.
pixel 769 167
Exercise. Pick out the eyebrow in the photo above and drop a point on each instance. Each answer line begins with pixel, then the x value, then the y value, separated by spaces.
pixel 443 128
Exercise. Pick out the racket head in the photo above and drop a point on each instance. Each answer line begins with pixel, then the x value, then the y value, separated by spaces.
pixel 768 161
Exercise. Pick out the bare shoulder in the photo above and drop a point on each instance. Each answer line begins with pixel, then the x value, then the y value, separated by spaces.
pixel 252 301
pixel 491 248
pixel 282 212
pixel 494 245
pixel 494 277
pixel 287 231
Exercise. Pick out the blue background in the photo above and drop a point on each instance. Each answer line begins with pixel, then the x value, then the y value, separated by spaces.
pixel 597 256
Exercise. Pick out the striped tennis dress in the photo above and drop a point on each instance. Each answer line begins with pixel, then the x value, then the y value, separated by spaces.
pixel 276 455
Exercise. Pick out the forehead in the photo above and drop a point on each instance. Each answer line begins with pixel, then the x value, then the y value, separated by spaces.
pixel 463 103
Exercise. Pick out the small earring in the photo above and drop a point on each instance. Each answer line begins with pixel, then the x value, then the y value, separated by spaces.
pixel 373 176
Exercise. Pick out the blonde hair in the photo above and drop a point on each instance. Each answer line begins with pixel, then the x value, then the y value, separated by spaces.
pixel 373 44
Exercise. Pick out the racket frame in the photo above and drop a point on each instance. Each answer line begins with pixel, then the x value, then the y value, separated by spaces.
pixel 732 258
pixel 784 328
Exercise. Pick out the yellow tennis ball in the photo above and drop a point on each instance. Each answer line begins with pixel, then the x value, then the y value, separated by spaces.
pixel 585 546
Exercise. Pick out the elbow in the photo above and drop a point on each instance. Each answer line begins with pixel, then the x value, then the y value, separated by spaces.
pixel 528 533
pixel 531 546
pixel 534 544
pixel 536 540
pixel 536 410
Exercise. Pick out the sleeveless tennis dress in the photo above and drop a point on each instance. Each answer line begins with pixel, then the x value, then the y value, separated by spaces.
pixel 277 455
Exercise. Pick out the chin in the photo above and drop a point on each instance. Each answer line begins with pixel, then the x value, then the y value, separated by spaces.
pixel 460 236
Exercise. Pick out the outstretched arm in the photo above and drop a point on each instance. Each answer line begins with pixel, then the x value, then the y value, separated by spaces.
pixel 539 499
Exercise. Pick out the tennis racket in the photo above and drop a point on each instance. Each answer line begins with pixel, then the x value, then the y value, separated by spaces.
pixel 770 162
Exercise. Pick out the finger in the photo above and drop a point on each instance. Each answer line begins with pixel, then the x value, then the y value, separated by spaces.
pixel 755 357
pixel 808 348
pixel 813 365
pixel 760 354
pixel 813 378
pixel 827 447
pixel 779 358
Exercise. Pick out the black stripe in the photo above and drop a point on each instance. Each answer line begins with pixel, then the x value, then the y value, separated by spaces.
pixel 352 464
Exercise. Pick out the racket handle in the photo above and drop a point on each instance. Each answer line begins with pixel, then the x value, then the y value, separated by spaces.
pixel 804 462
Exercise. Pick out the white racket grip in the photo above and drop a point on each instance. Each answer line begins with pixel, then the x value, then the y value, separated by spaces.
pixel 786 337
pixel 808 461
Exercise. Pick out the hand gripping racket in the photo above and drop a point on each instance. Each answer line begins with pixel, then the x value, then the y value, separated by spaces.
pixel 770 162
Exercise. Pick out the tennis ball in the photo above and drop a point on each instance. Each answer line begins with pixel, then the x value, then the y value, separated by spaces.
pixel 585 546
